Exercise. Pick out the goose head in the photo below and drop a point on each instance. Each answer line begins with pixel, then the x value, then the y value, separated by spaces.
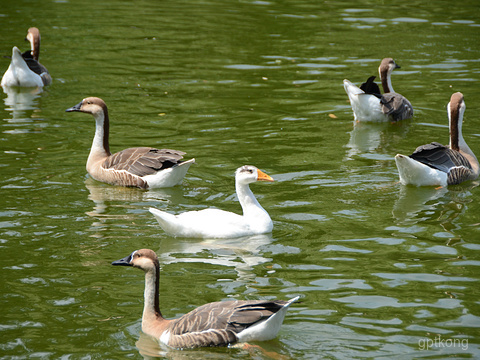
pixel 387 66
pixel 90 105
pixel 33 36
pixel 248 174
pixel 144 259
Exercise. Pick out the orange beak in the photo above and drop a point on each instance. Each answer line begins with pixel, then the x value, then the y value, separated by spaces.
pixel 263 177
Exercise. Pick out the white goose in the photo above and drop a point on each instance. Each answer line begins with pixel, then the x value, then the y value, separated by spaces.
pixel 142 167
pixel 215 223
pixel 24 69
pixel 369 105
pixel 214 324
pixel 438 165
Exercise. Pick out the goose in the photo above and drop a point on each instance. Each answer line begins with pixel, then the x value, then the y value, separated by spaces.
pixel 31 57
pixel 219 323
pixel 24 69
pixel 369 105
pixel 215 223
pixel 143 167
pixel 437 165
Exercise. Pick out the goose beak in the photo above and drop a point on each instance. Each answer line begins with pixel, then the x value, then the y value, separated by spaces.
pixel 124 262
pixel 261 176
pixel 75 108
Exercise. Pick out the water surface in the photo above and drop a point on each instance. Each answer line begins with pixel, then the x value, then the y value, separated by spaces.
pixel 383 270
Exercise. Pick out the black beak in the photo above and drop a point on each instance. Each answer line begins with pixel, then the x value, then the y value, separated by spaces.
pixel 75 108
pixel 123 262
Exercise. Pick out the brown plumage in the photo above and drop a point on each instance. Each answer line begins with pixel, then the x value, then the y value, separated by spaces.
pixel 214 324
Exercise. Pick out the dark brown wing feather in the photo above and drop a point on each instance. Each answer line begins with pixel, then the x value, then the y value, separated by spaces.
pixel 33 64
pixel 443 158
pixel 143 161
pixel 397 106
pixel 216 324
pixel 371 87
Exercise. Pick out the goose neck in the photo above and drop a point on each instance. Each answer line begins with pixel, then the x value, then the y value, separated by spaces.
pixel 386 77
pixel 100 145
pixel 151 308
pixel 249 203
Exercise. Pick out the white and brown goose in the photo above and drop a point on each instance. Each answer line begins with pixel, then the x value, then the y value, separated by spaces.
pixel 143 167
pixel 25 70
pixel 215 324
pixel 216 223
pixel 368 104
pixel 437 165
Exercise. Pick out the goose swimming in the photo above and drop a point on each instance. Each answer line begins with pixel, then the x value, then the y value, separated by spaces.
pixel 142 167
pixel 437 165
pixel 25 70
pixel 368 104
pixel 215 223
pixel 215 324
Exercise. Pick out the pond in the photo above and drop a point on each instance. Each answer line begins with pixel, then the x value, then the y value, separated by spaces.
pixel 382 270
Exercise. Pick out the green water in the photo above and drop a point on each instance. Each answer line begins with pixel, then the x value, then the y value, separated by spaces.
pixel 381 269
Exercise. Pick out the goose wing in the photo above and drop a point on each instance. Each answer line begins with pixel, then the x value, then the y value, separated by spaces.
pixel 443 158
pixel 33 64
pixel 143 161
pixel 397 106
pixel 217 323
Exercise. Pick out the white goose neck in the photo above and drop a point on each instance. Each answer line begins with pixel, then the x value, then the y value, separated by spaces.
pixel 100 147
pixel 250 205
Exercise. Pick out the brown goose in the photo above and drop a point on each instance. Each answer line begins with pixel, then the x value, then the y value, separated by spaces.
pixel 435 164
pixel 142 167
pixel 214 324
pixel 368 104
pixel 31 57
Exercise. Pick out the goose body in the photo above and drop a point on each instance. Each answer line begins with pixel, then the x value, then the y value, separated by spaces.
pixel 25 70
pixel 215 223
pixel 368 104
pixel 19 74
pixel 142 167
pixel 214 324
pixel 437 165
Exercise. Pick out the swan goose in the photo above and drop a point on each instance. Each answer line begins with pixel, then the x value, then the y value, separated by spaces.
pixel 215 223
pixel 25 70
pixel 143 167
pixel 438 165
pixel 214 324
pixel 368 104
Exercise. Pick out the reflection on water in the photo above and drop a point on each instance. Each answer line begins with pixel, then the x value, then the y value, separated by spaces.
pixel 415 204
pixel 21 100
pixel 240 253
pixel 369 139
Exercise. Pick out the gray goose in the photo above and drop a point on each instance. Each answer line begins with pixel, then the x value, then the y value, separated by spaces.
pixel 143 167
pixel 215 324
pixel 437 165
pixel 368 104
